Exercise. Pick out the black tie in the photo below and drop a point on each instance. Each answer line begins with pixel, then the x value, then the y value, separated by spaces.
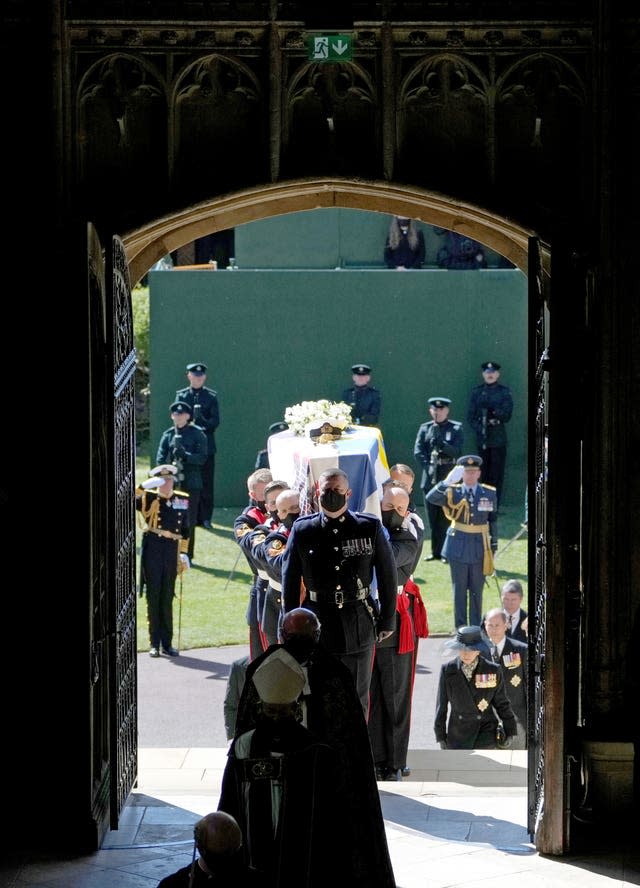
pixel 470 496
pixel 494 653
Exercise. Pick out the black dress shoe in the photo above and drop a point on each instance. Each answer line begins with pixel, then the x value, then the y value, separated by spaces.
pixel 207 525
pixel 406 772
pixel 154 652
pixel 379 773
pixel 170 652
pixel 393 775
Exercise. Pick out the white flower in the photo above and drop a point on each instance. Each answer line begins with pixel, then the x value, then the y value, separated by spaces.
pixel 299 416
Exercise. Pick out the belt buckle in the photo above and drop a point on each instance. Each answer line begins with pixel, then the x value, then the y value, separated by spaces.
pixel 339 596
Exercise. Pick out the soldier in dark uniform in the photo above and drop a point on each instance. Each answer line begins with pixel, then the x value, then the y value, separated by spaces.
pixel 262 458
pixel 268 549
pixel 438 445
pixel 365 400
pixel 206 414
pixel 512 657
pixel 471 696
pixel 184 445
pixel 163 552
pixel 393 666
pixel 334 553
pixel 490 408
pixel 251 516
pixel 268 604
pixel 472 536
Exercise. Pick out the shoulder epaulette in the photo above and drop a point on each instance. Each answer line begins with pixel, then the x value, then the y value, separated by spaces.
pixel 181 493
pixel 488 486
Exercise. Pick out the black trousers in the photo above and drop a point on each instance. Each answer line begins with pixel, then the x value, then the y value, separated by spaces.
pixel 205 508
pixel 439 525
pixel 271 615
pixel 390 711
pixel 159 568
pixel 194 505
pixel 493 463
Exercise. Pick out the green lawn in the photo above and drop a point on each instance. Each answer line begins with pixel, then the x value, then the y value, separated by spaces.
pixel 211 602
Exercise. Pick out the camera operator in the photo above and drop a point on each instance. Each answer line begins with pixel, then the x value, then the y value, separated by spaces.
pixel 184 445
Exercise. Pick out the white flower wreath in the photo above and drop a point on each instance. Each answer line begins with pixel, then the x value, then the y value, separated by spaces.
pixel 300 416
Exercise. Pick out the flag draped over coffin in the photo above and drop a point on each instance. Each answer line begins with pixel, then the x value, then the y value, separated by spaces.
pixel 359 452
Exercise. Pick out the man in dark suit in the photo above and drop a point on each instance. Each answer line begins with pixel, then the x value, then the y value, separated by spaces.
pixel 512 657
pixel 517 621
pixel 472 536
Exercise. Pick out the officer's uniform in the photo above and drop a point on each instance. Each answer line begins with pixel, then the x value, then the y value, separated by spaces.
pixel 393 666
pixel 472 721
pixel 206 414
pixel 490 408
pixel 365 400
pixel 469 542
pixel 165 536
pixel 185 448
pixel 437 446
pixel 513 660
pixel 247 521
pixel 262 457
pixel 335 559
pixel 268 550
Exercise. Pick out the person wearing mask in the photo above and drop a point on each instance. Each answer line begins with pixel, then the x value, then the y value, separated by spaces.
pixel 251 516
pixel 393 665
pixel 335 553
pixel 330 708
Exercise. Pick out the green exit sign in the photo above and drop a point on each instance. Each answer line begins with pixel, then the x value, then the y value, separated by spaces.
pixel 330 48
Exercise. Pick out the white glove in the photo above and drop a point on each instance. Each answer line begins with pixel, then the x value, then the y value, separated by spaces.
pixel 454 475
pixel 184 558
pixel 150 483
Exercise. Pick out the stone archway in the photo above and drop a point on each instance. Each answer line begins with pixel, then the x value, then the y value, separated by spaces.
pixel 148 244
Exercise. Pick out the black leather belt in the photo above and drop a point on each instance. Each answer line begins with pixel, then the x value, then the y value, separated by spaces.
pixel 338 597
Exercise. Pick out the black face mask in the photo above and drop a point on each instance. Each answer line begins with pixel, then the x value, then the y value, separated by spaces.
pixel 392 520
pixel 223 864
pixel 332 501
pixel 289 519
pixel 300 647
pixel 273 514
pixel 259 504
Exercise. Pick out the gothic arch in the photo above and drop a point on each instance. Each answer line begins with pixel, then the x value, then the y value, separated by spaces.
pixel 147 244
